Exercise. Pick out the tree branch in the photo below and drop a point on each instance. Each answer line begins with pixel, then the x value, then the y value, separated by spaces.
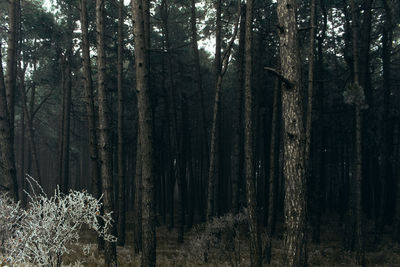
pixel 288 83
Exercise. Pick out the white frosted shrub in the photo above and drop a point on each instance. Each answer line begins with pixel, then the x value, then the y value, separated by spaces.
pixel 41 233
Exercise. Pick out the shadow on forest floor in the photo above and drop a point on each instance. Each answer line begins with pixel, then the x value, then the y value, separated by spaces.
pixel 169 253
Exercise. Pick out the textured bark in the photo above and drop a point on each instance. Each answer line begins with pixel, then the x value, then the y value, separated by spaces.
pixel 255 240
pixel 120 131
pixel 7 150
pixel 110 253
pixel 358 145
pixel 142 45
pixel 293 138
pixel 272 171
pixel 237 153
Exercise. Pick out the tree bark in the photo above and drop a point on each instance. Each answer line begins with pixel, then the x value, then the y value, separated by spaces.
pixel 6 144
pixel 358 156
pixel 120 130
pixel 141 15
pixel 110 253
pixel 295 240
pixel 255 241
pixel 237 153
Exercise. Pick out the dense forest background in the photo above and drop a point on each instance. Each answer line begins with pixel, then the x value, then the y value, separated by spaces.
pixel 289 109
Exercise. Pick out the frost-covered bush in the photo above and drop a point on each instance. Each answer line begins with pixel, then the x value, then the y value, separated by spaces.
pixel 220 239
pixel 41 233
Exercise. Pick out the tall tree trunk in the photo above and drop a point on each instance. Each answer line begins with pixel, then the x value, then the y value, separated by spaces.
pixel 141 15
pixel 106 173
pixel 221 69
pixel 7 150
pixel 213 143
pixel 295 240
pixel 255 241
pixel 121 160
pixel 237 153
pixel 307 159
pixel 90 109
pixel 65 183
pixel 358 145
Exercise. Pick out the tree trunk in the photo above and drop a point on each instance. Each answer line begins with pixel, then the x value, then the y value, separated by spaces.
pixel 221 69
pixel 12 63
pixel 137 207
pixel 237 153
pixel 106 173
pixel 90 109
pixel 213 142
pixel 121 160
pixel 293 137
pixel 6 144
pixel 272 171
pixel 358 156
pixel 141 15
pixel 255 241
pixel 65 183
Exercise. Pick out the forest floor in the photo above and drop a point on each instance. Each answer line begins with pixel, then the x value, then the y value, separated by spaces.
pixel 329 252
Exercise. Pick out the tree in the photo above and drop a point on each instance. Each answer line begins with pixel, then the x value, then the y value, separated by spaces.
pixel 7 152
pixel 358 153
pixel 141 16
pixel 110 253
pixel 255 241
pixel 120 130
pixel 90 107
pixel 293 137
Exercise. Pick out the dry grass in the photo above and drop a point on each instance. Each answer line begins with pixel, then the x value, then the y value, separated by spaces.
pixel 169 253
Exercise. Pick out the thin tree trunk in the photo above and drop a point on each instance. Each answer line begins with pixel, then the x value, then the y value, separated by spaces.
pixel 110 253
pixel 121 165
pixel 358 145
pixel 65 183
pixel 307 159
pixel 213 142
pixel 220 70
pixel 255 241
pixel 295 240
pixel 141 15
